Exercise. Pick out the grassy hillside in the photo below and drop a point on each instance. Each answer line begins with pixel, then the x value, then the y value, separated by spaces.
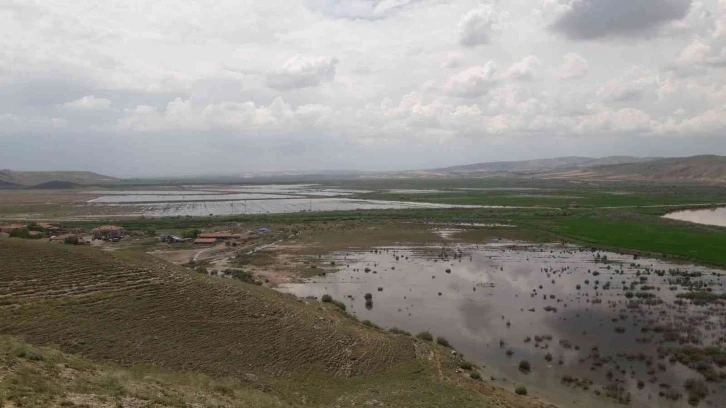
pixel 527 166
pixel 32 178
pixel 45 377
pixel 134 310
pixel 704 168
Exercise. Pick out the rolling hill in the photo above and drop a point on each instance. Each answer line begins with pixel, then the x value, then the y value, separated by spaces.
pixel 136 311
pixel 695 168
pixel 32 178
pixel 56 185
pixel 540 165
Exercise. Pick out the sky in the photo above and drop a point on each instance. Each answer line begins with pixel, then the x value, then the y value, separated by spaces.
pixel 134 87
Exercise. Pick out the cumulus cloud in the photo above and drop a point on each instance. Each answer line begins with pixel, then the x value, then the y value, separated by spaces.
pixel 573 66
pixel 479 25
pixel 301 72
pixel 592 19
pixel 185 114
pixel 695 53
pixel 473 82
pixel 358 9
pixel 524 70
pixel 89 102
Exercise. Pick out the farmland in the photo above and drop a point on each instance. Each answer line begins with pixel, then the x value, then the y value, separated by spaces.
pixel 126 306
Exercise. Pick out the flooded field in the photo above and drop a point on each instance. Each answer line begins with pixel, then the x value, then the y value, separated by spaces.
pixel 710 216
pixel 578 327
pixel 259 199
pixel 270 206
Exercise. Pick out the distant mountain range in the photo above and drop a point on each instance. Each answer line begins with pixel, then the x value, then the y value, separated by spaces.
pixel 10 178
pixel 703 168
pixel 540 165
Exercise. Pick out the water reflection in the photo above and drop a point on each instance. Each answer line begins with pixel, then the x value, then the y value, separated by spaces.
pixel 563 309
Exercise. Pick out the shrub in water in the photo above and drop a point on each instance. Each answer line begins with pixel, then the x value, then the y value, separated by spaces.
pixel 327 298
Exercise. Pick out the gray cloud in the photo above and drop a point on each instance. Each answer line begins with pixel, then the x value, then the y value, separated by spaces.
pixel 184 88
pixel 591 19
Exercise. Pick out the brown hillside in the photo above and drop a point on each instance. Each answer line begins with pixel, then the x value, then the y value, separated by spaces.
pixel 135 310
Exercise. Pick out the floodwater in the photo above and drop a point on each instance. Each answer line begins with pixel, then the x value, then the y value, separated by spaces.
pixel 271 206
pixel 525 298
pixel 253 199
pixel 709 216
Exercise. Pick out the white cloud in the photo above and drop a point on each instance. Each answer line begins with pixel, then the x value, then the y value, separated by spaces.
pixel 524 70
pixel 358 9
pixel 473 82
pixel 89 102
pixel 573 66
pixel 301 72
pixel 479 25
pixel 695 53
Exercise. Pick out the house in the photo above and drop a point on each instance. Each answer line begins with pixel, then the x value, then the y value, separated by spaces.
pixel 205 241
pixel 62 238
pixel 219 236
pixel 106 232
pixel 51 229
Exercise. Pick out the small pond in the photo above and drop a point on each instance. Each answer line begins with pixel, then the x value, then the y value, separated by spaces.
pixel 709 216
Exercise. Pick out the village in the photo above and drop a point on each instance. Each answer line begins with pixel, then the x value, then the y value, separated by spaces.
pixel 113 233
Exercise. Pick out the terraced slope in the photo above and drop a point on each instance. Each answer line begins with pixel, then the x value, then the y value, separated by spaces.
pixel 136 310
pixel 112 307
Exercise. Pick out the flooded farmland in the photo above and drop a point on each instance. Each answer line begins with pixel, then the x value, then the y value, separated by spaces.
pixel 595 328
pixel 709 216
pixel 259 199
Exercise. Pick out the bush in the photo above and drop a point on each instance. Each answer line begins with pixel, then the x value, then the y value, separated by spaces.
pixel 340 305
pixel 425 336
pixel 475 376
pixel 524 366
pixel 465 365
pixel 396 330
pixel 191 233
pixel 20 233
pixel 521 390
pixel 442 341
pixel 73 240
pixel 327 298
pixel 370 324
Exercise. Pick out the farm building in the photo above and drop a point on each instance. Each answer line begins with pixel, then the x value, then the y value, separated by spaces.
pixel 106 232
pixel 50 229
pixel 205 241
pixel 8 228
pixel 62 238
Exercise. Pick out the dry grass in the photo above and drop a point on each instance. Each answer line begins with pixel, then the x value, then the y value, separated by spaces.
pixel 132 310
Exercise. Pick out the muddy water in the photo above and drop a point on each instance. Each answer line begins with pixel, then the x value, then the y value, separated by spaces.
pixel 711 216
pixel 502 297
